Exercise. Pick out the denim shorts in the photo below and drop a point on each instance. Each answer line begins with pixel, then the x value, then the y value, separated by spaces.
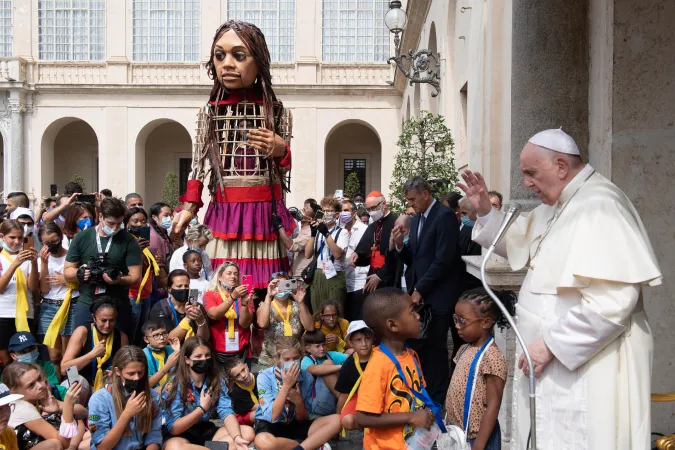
pixel 47 313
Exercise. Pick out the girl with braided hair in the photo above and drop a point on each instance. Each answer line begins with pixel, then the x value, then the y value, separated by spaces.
pixel 243 137
pixel 479 377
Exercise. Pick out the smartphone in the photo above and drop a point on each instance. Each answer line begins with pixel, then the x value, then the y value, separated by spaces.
pixel 87 198
pixel 143 233
pixel 216 445
pixel 52 190
pixel 288 285
pixel 247 280
pixel 28 239
pixel 72 375
pixel 193 296
pixel 339 193
pixel 318 215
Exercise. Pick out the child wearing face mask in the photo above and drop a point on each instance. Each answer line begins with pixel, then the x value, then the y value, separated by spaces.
pixel 194 396
pixel 58 295
pixel 161 352
pixel 19 278
pixel 230 309
pixel 282 314
pixel 24 348
pixel 180 318
pixel 286 402
pixel 126 414
pixel 329 320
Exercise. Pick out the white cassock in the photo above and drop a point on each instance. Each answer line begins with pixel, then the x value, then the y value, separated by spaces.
pixel 588 257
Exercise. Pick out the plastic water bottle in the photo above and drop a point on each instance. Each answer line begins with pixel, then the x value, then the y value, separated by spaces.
pixel 423 439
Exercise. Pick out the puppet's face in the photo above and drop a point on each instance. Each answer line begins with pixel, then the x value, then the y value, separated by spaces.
pixel 233 62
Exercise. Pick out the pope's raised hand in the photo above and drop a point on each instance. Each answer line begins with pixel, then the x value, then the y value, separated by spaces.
pixel 476 191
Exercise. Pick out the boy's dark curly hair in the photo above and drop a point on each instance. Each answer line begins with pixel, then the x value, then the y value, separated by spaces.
pixel 484 305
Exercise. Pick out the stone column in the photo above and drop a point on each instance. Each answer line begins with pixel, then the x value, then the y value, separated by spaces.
pixel 22 29
pixel 14 148
pixel 549 77
pixel 118 40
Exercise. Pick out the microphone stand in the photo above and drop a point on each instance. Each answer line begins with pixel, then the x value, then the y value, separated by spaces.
pixel 511 214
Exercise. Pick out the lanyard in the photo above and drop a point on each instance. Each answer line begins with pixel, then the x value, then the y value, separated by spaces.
pixel 323 242
pixel 98 243
pixel 422 395
pixel 173 310
pixel 473 369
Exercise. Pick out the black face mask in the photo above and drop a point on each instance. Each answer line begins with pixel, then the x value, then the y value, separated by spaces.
pixel 180 295
pixel 201 366
pixel 54 247
pixel 131 386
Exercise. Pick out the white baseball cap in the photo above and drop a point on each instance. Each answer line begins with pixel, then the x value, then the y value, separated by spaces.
pixel 355 326
pixel 6 397
pixel 21 211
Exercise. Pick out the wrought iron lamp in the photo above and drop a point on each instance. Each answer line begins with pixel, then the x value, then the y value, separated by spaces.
pixel 422 68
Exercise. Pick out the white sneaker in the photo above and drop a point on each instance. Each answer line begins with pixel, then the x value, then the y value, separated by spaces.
pixel 325 447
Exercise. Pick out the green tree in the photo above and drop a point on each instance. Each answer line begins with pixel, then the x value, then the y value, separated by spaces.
pixel 352 185
pixel 425 149
pixel 77 178
pixel 170 190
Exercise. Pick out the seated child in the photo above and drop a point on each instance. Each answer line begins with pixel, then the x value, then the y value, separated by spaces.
pixel 24 348
pixel 387 407
pixel 285 401
pixel 475 317
pixel 360 338
pixel 243 390
pixel 192 261
pixel 329 320
pixel 324 367
pixel 162 352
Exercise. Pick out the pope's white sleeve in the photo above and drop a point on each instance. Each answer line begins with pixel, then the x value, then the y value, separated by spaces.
pixel 485 229
pixel 606 306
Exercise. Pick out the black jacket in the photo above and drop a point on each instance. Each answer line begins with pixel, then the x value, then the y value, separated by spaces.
pixel 386 273
pixel 434 259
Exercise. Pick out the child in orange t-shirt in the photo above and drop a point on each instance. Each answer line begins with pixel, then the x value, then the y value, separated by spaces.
pixel 386 407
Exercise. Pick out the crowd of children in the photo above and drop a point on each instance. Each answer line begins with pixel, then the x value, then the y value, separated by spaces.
pixel 324 374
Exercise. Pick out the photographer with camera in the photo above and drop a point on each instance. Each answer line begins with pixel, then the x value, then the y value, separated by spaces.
pixel 105 259
pixel 296 245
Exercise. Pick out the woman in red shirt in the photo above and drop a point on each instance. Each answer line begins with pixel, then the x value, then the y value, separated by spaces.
pixel 230 309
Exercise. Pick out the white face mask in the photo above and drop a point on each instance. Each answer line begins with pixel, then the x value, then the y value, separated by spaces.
pixel 376 215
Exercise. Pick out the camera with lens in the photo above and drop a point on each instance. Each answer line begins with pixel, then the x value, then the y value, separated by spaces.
pixel 295 213
pixel 98 265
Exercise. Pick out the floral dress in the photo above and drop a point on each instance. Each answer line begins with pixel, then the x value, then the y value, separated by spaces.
pixel 275 330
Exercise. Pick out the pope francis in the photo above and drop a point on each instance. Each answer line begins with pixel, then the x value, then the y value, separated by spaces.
pixel 580 308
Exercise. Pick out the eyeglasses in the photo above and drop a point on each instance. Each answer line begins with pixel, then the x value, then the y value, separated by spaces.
pixel 330 316
pixel 158 336
pixel 462 322
pixel 373 208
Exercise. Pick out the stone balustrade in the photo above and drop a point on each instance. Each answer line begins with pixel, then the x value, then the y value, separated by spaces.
pixel 180 74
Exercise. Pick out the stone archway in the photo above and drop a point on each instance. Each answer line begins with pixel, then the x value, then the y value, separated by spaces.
pixel 162 146
pixel 69 146
pixel 353 146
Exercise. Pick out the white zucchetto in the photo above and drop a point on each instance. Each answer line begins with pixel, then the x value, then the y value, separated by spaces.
pixel 556 140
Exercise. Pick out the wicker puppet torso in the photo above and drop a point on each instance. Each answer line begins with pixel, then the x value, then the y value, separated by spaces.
pixel 246 188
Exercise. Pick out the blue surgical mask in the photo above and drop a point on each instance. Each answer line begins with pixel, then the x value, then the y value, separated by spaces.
pixel 405 239
pixel 9 249
pixel 85 223
pixel 466 221
pixel 166 222
pixel 29 357
pixel 283 295
pixel 193 222
pixel 288 364
pixel 109 231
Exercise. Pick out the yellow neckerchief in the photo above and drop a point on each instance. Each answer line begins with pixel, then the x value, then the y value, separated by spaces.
pixel 231 314
pixel 100 360
pixel 249 388
pixel 185 325
pixel 152 265
pixel 21 315
pixel 8 440
pixel 288 330
pixel 159 357
pixel 60 318
pixel 340 345
pixel 356 385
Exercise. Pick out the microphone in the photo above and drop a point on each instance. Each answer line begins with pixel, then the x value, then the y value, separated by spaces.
pixel 511 214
